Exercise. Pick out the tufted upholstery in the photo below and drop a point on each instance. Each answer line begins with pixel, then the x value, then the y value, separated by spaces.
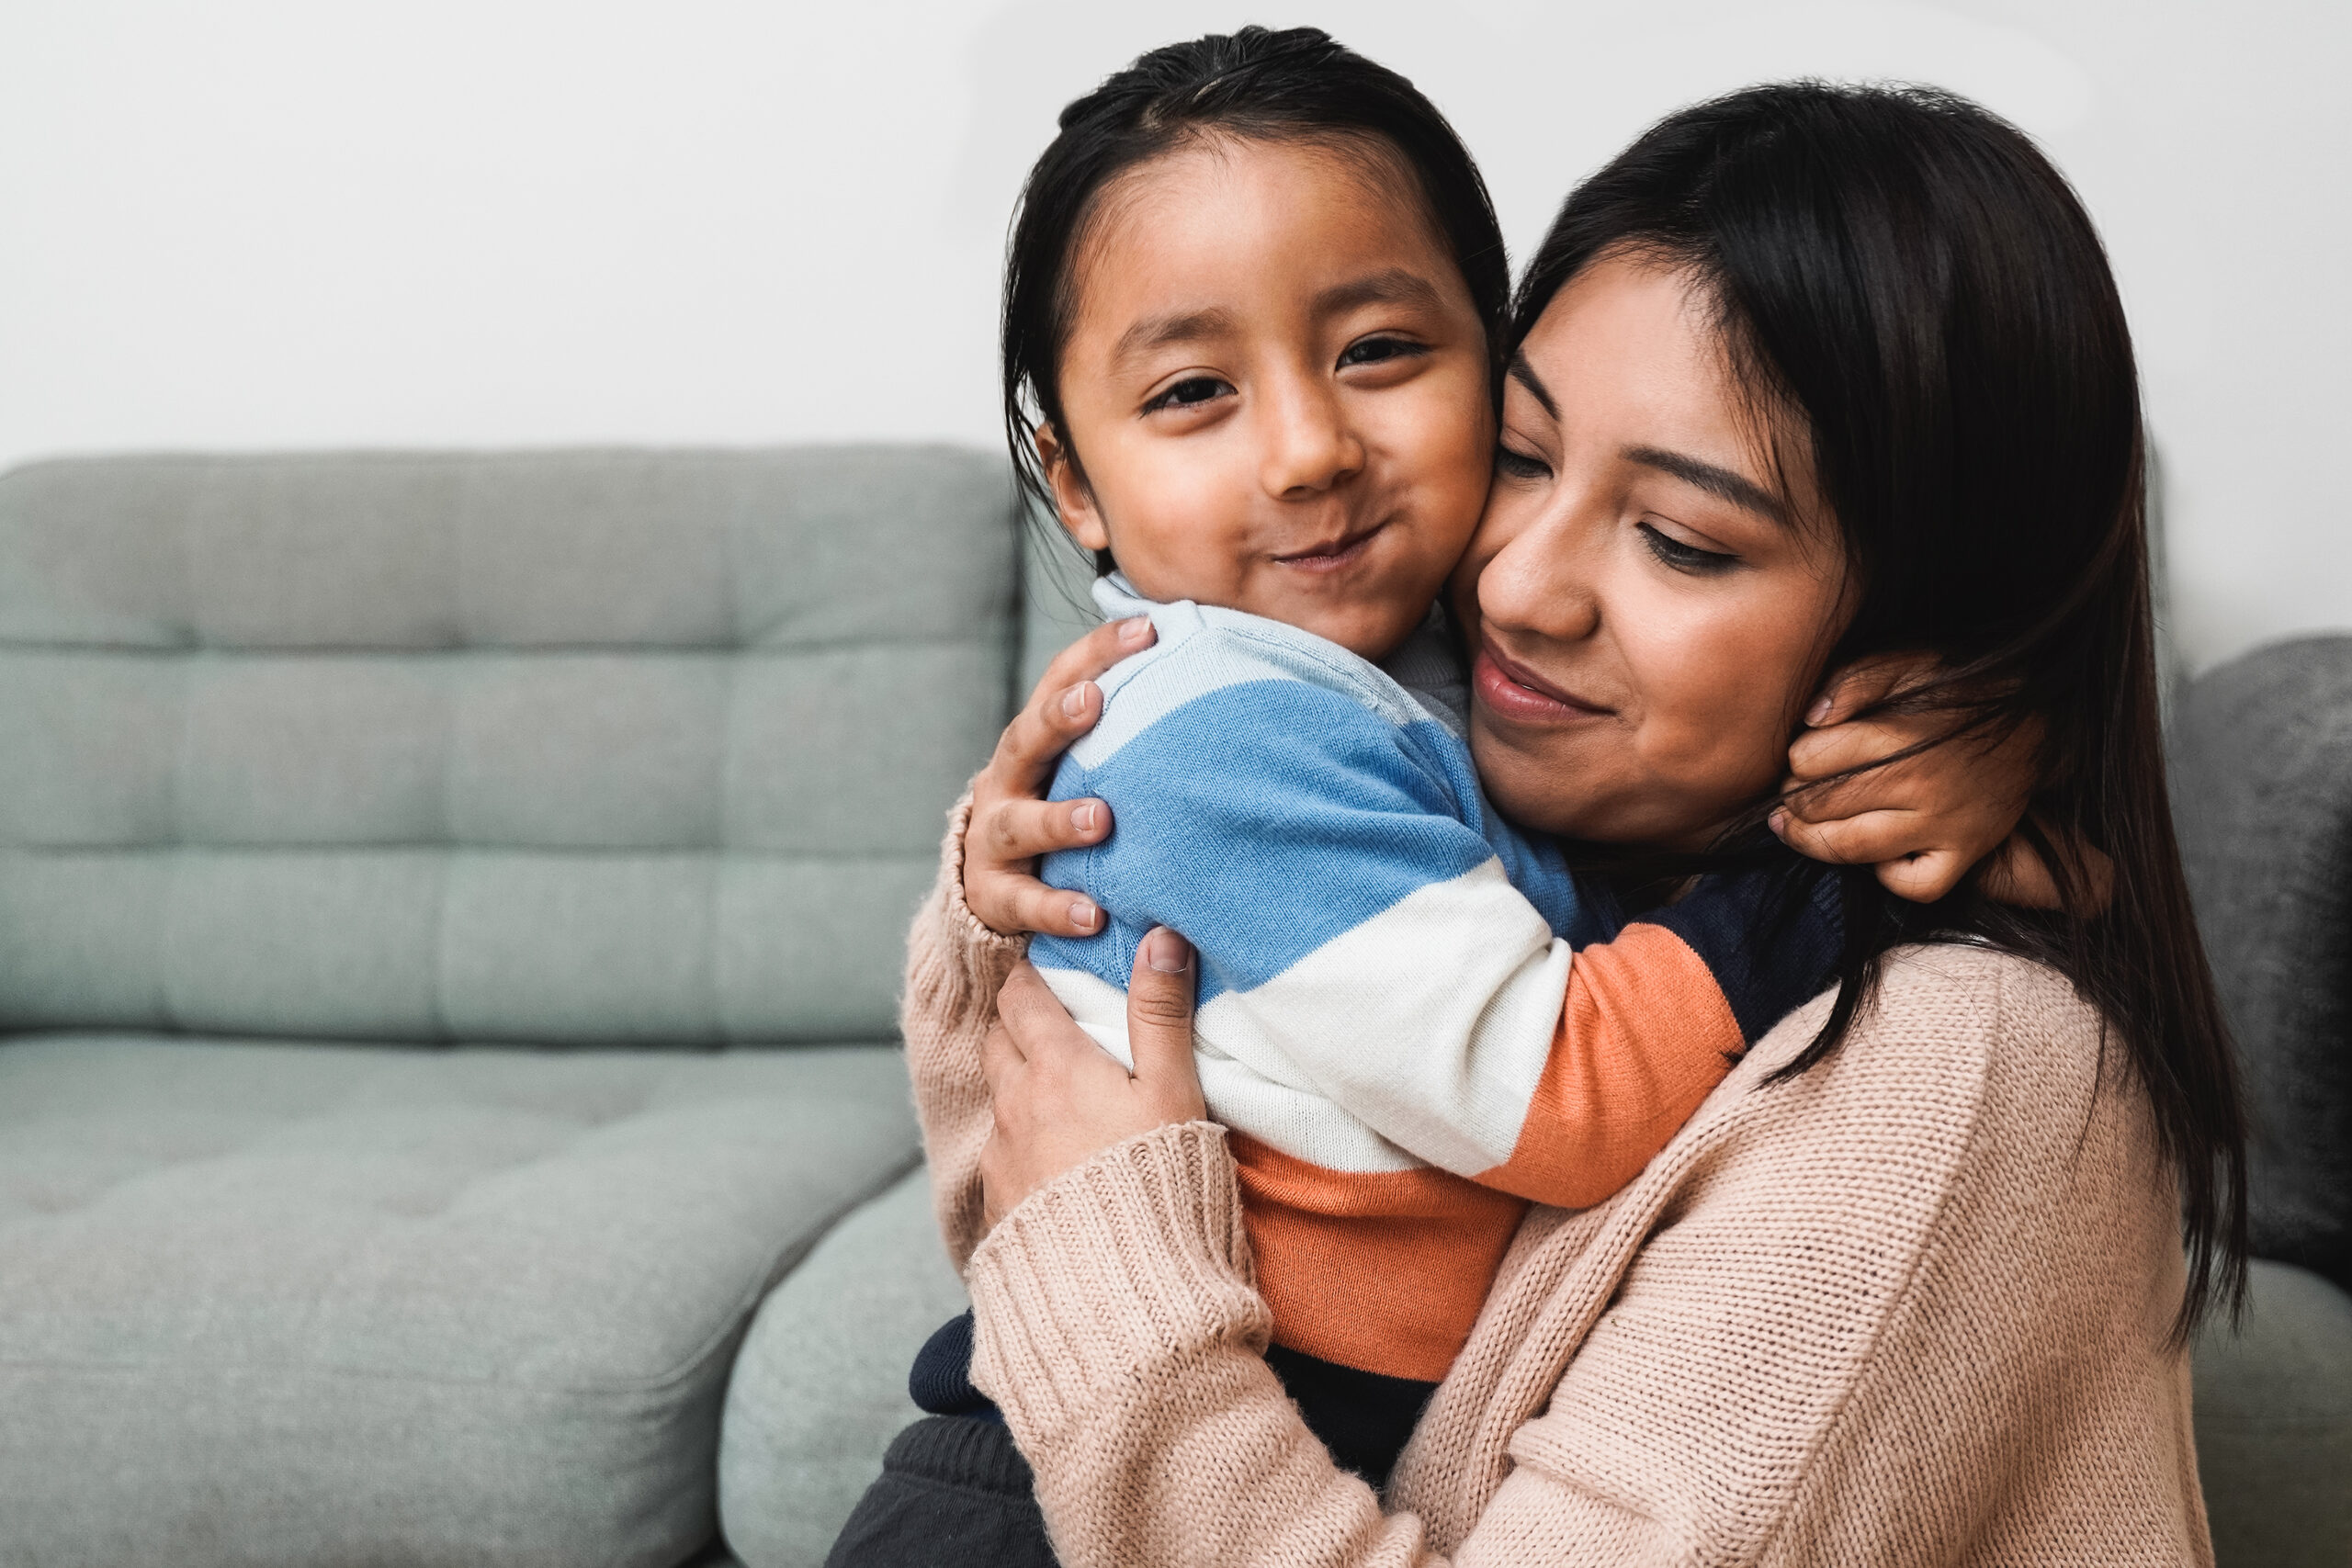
pixel 584 747
pixel 819 1387
pixel 347 806
pixel 270 1304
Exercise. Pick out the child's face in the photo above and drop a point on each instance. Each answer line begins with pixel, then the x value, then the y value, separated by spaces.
pixel 1275 390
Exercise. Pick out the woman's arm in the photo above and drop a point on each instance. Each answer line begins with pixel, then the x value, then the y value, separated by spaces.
pixel 1118 1328
pixel 955 959
pixel 1910 1307
pixel 954 967
pixel 1141 1388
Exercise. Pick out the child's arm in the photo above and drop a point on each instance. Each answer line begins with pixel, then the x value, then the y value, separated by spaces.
pixel 1653 1020
pixel 1360 944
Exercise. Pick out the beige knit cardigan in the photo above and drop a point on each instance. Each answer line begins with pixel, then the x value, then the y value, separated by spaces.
pixel 1910 1307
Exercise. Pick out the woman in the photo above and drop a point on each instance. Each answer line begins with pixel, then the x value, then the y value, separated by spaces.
pixel 1910 1286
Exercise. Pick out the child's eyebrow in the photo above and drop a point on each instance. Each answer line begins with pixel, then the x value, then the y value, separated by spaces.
pixel 1392 286
pixel 1182 326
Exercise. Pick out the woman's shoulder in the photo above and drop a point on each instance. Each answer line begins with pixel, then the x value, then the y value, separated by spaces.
pixel 1966 1055
pixel 1944 1220
pixel 1951 1010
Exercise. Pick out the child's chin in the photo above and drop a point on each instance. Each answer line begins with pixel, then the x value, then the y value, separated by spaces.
pixel 1370 632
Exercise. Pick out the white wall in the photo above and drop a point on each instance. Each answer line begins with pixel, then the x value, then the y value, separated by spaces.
pixel 270 223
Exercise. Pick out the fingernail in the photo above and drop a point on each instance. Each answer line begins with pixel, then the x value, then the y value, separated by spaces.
pixel 1133 632
pixel 1819 711
pixel 1074 700
pixel 1083 914
pixel 1083 817
pixel 1168 953
pixel 1778 822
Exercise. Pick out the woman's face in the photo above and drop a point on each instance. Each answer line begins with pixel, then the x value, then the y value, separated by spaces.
pixel 1649 597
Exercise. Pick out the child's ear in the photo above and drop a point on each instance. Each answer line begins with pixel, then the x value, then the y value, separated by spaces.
pixel 1073 498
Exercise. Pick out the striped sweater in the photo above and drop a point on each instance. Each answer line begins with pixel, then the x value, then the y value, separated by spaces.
pixel 1412 1018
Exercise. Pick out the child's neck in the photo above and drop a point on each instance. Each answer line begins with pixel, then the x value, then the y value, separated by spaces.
pixel 1117 597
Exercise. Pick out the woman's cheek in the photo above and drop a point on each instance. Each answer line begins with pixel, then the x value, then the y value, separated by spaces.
pixel 1709 738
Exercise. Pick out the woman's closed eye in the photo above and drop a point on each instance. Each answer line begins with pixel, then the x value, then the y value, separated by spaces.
pixel 1673 552
pixel 1191 392
pixel 1512 464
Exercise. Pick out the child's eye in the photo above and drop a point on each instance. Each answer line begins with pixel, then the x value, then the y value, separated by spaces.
pixel 1191 392
pixel 1380 351
pixel 1673 552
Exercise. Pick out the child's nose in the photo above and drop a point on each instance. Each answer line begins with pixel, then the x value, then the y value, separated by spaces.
pixel 1309 445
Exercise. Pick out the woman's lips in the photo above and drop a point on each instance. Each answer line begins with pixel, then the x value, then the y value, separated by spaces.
pixel 1514 692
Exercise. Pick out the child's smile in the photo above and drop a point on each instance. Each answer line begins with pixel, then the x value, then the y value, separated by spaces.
pixel 1274 388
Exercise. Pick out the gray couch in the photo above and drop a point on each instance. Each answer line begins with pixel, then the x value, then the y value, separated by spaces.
pixel 2262 778
pixel 450 909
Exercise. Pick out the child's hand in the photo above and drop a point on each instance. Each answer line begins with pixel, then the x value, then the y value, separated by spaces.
pixel 1013 824
pixel 1923 821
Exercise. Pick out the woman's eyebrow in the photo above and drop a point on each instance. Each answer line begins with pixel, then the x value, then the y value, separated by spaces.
pixel 1524 374
pixel 1719 482
pixel 1177 326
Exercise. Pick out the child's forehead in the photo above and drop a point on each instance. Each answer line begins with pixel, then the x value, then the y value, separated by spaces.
pixel 1225 208
pixel 1216 168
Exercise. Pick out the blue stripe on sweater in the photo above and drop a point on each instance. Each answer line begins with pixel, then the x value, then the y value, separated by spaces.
pixel 1264 819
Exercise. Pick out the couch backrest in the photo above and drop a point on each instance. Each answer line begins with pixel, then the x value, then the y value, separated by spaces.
pixel 2262 789
pixel 579 747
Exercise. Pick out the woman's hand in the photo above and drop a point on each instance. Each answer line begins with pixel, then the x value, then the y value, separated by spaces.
pixel 1013 824
pixel 1922 822
pixel 1060 1099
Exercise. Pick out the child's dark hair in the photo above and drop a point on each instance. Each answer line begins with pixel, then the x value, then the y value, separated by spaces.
pixel 1295 85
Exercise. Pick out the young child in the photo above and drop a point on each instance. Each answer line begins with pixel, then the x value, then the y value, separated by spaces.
pixel 1252 293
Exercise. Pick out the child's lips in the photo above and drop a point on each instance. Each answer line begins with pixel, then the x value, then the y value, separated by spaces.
pixel 1331 555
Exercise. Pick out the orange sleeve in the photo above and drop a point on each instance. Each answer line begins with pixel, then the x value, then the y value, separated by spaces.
pixel 1645 1035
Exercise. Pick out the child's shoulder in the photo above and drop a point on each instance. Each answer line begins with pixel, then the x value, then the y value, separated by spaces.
pixel 1223 666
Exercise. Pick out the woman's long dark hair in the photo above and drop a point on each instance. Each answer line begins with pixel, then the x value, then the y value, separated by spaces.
pixel 1255 85
pixel 1904 276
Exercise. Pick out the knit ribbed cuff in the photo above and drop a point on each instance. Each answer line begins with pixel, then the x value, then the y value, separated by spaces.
pixel 1132 1263
pixel 993 951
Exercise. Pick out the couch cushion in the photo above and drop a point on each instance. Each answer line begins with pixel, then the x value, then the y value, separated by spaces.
pixel 1057 599
pixel 819 1387
pixel 2262 771
pixel 268 1305
pixel 2274 1424
pixel 643 747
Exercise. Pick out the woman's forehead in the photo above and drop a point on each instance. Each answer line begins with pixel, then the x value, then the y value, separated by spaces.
pixel 1630 353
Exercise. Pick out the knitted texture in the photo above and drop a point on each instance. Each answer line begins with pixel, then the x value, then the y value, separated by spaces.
pixel 954 968
pixel 1911 1307
pixel 1408 1012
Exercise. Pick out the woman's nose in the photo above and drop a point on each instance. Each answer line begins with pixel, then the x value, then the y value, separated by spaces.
pixel 1533 587
pixel 1309 443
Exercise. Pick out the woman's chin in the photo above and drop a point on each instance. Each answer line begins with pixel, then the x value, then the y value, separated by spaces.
pixel 1536 787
